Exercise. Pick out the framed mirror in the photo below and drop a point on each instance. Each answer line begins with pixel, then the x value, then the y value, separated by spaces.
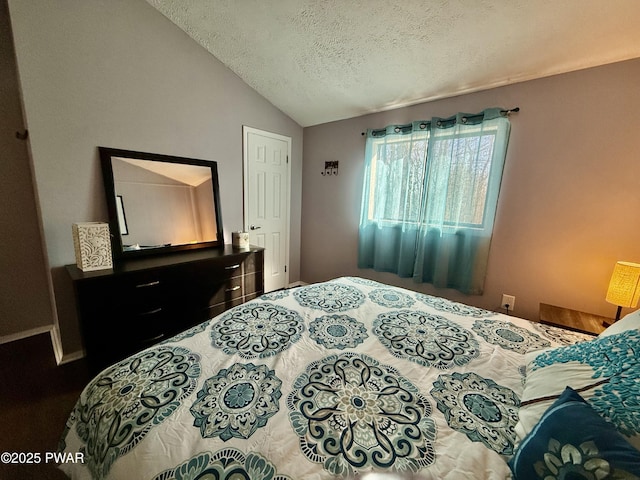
pixel 160 203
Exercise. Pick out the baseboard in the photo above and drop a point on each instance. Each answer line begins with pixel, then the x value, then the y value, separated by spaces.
pixel 26 334
pixel 297 284
pixel 61 357
pixel 71 357
pixel 57 344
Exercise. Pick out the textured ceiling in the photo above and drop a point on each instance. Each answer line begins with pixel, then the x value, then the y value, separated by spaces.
pixel 325 60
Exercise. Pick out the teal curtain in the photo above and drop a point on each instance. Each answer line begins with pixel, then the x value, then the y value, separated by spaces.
pixel 430 196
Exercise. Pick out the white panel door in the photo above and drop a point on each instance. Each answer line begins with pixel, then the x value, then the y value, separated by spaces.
pixel 266 201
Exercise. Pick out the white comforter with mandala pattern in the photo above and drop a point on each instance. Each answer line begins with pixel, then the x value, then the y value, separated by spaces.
pixel 327 380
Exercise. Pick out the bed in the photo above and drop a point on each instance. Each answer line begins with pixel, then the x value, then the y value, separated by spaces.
pixel 346 378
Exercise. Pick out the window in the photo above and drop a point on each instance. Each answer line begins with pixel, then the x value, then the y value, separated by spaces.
pixel 398 170
pixel 430 196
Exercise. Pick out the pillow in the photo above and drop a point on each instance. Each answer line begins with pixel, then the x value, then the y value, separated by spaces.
pixel 628 322
pixel 573 441
pixel 605 371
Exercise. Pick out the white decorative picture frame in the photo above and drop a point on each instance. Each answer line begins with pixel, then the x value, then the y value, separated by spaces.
pixel 92 244
pixel 240 239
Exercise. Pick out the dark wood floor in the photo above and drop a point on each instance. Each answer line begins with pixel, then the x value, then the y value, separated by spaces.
pixel 36 397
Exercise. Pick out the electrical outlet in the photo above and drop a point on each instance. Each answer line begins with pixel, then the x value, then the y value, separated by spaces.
pixel 508 302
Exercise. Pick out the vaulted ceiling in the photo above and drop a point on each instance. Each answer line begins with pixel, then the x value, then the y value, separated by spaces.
pixel 325 60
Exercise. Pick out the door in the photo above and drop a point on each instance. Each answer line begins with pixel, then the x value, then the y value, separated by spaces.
pixel 266 201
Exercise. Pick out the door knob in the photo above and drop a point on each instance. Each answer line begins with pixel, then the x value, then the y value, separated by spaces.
pixel 253 227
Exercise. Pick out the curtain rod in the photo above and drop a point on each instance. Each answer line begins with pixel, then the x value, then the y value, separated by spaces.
pixel 506 113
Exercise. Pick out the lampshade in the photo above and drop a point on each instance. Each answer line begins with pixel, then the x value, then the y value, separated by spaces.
pixel 624 287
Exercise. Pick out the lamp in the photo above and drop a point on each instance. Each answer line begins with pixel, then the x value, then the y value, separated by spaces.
pixel 624 287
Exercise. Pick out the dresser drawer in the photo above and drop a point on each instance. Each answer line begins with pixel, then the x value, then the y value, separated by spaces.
pixel 148 326
pixel 216 310
pixel 128 293
pixel 254 284
pixel 251 296
pixel 232 289
pixel 140 303
pixel 144 295
pixel 221 270
pixel 254 262
pixel 203 287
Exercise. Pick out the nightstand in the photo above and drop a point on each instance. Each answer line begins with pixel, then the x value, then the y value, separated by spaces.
pixel 573 319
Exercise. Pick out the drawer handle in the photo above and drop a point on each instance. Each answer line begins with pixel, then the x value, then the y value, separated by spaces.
pixel 232 267
pixel 150 284
pixel 151 312
pixel 233 289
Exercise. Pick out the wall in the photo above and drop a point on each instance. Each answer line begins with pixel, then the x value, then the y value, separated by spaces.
pixel 118 74
pixel 568 205
pixel 25 305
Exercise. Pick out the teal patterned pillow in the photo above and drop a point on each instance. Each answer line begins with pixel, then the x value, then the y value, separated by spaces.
pixel 606 373
pixel 572 441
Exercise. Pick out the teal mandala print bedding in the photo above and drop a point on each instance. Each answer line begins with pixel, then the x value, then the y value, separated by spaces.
pixel 330 380
pixel 480 408
pixel 338 331
pixel 227 464
pixel 445 305
pixel 257 330
pixel 236 402
pixel 277 295
pixel 329 297
pixel 562 336
pixel 121 406
pixel 388 297
pixel 509 336
pixel 353 414
pixel 430 340
pixel 190 332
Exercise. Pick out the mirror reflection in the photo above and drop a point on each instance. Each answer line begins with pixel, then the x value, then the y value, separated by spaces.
pixel 182 197
pixel 159 202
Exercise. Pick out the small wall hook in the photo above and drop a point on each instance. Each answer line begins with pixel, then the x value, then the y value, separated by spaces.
pixel 22 136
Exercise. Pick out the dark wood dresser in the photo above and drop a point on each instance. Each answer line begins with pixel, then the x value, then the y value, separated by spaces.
pixel 144 301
